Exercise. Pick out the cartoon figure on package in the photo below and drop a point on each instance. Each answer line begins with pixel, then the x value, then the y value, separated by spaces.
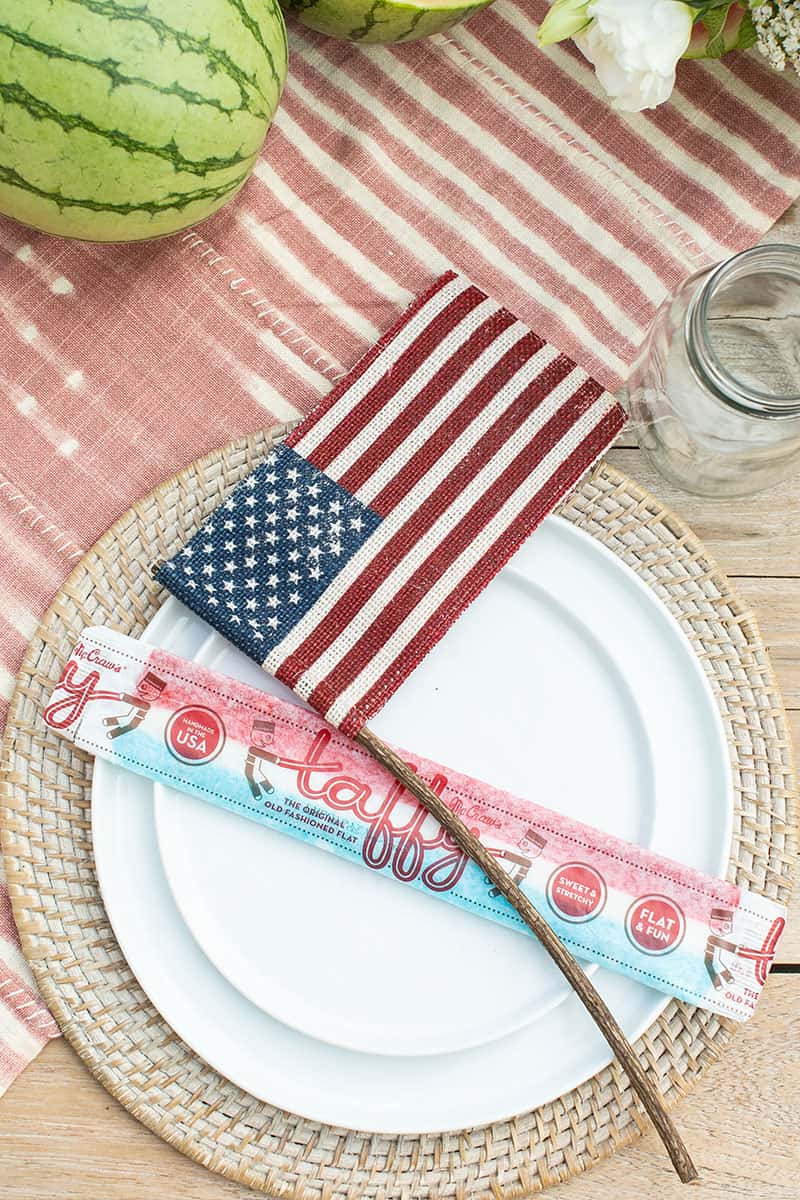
pixel 717 947
pixel 520 865
pixel 258 754
pixel 721 921
pixel 532 845
pixel 148 689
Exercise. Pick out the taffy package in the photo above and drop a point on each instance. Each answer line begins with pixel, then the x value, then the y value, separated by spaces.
pixel 676 929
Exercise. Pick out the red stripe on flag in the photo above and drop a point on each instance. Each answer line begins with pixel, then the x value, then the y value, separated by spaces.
pixel 385 389
pixel 366 360
pixel 410 417
pixel 473 404
pixel 471 585
pixel 418 523
pixel 454 542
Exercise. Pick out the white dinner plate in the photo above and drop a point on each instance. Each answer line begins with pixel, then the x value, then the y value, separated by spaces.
pixel 342 995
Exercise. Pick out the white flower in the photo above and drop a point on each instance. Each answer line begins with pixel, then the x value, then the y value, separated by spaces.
pixel 634 46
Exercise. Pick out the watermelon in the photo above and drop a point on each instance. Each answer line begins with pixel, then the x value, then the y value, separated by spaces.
pixel 130 119
pixel 381 20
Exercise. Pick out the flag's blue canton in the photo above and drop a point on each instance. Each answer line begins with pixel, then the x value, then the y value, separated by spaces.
pixel 262 559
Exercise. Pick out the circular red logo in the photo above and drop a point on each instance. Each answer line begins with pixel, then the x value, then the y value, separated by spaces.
pixel 655 924
pixel 576 891
pixel 195 734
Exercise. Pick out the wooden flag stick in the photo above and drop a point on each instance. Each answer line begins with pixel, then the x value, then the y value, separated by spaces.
pixel 592 1000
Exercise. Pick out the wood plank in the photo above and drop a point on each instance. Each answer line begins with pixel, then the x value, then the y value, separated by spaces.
pixel 776 605
pixel 741 1124
pixel 756 542
pixel 755 535
pixel 786 228
pixel 62 1137
pixel 789 945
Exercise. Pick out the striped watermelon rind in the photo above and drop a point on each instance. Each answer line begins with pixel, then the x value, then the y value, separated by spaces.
pixel 371 21
pixel 129 119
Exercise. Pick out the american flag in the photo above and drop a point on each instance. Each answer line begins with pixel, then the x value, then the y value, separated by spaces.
pixel 348 553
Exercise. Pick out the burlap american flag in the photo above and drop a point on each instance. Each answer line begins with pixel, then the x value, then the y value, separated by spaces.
pixel 345 556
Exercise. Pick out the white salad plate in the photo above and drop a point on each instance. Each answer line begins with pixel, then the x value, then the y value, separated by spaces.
pixel 328 990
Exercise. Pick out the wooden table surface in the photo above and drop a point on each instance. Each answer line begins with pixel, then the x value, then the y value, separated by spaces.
pixel 63 1137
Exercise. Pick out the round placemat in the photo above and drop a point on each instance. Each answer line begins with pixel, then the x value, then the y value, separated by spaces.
pixel 121 1037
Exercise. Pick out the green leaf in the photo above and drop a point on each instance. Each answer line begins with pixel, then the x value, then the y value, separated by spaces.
pixel 714 21
pixel 747 33
pixel 721 28
pixel 703 6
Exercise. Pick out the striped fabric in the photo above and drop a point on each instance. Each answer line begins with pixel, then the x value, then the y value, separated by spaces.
pixel 385 167
pixel 344 557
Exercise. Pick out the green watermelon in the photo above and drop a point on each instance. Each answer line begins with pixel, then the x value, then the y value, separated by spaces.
pixel 129 119
pixel 382 20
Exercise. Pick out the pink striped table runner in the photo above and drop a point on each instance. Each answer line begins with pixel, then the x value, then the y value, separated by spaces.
pixel 384 168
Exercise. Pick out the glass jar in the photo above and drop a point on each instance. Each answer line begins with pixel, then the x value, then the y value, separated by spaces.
pixel 715 395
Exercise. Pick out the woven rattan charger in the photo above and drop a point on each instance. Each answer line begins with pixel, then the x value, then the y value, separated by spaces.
pixel 115 1029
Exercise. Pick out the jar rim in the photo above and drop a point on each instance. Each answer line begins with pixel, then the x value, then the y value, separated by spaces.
pixel 782 258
